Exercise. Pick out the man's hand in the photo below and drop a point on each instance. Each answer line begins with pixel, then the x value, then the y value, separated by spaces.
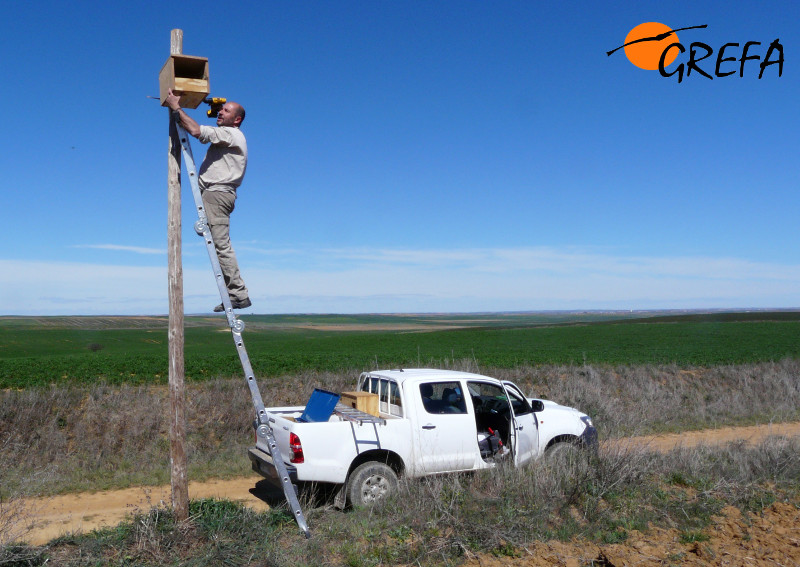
pixel 173 100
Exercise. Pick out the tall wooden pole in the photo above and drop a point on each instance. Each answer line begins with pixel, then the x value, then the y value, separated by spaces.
pixel 177 423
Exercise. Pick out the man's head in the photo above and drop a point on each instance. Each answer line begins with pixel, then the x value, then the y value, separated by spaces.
pixel 231 114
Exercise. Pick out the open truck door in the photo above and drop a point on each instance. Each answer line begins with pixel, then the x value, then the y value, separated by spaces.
pixel 525 429
pixel 494 418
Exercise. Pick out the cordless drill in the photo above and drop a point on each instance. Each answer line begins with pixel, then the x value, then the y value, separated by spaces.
pixel 216 105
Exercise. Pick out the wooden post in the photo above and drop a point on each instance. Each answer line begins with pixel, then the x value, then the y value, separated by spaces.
pixel 177 420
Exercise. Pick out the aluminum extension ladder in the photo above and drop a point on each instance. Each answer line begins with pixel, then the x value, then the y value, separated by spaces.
pixel 263 430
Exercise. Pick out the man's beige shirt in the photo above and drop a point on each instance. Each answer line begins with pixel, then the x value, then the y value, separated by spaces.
pixel 226 160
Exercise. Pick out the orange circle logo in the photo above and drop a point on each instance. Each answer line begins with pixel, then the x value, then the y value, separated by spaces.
pixel 645 43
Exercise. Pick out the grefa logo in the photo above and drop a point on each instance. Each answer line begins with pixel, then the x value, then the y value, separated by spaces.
pixel 653 45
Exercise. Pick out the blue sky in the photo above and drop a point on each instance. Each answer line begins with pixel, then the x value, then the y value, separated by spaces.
pixel 407 156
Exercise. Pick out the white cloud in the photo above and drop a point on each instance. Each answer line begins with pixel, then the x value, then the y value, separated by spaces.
pixel 119 247
pixel 392 280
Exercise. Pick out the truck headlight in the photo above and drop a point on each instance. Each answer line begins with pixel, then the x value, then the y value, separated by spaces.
pixel 587 420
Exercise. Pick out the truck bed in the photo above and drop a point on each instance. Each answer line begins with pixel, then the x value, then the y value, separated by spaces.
pixel 350 431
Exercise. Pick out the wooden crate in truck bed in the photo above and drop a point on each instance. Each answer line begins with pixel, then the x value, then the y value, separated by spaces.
pixel 363 401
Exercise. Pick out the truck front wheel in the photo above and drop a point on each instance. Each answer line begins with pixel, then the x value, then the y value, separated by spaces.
pixel 566 455
pixel 371 482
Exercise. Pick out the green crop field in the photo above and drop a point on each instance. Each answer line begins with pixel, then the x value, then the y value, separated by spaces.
pixel 43 351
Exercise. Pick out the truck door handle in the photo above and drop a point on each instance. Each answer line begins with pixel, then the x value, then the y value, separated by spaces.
pixel 428 427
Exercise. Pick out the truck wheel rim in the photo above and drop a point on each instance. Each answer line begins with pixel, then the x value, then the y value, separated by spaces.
pixel 374 488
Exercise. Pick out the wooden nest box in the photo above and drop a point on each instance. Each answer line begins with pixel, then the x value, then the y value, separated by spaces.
pixel 363 401
pixel 187 76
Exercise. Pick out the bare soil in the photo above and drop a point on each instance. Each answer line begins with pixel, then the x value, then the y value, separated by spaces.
pixel 772 538
pixel 720 436
pixel 54 516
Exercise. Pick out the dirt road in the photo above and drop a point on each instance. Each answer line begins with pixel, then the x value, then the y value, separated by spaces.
pixel 84 512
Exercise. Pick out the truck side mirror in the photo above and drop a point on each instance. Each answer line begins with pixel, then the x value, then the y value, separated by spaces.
pixel 537 405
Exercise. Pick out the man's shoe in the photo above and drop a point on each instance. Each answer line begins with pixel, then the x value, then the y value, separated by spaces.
pixel 243 304
pixel 235 304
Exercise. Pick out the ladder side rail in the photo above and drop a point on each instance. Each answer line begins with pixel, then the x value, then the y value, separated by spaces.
pixel 255 394
pixel 289 490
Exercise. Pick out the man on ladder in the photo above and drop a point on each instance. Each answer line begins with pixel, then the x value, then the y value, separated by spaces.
pixel 214 193
pixel 220 174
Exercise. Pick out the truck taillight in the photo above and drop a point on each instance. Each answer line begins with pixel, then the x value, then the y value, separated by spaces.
pixel 296 448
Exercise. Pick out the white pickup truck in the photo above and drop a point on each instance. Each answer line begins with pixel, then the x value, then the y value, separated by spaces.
pixel 425 422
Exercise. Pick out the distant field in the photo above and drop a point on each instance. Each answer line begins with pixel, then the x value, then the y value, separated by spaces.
pixel 44 350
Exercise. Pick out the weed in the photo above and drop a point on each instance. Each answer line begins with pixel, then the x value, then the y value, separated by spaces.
pixel 15 521
pixel 22 556
pixel 506 549
pixel 401 533
pixel 693 536
pixel 618 535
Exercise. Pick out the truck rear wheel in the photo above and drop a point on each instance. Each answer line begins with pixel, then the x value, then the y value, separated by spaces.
pixel 371 482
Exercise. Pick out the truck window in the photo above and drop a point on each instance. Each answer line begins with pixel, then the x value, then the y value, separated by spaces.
pixel 370 384
pixel 388 394
pixel 395 402
pixel 442 397
pixel 488 398
pixel 520 405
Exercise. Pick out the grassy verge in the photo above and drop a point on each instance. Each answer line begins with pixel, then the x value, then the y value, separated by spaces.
pixel 90 437
pixel 443 520
pixel 64 439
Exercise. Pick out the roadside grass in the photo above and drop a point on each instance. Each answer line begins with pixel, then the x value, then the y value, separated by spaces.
pixel 75 437
pixel 445 520
pixel 79 437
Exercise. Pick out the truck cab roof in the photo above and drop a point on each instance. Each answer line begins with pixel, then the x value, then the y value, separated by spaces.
pixel 407 374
